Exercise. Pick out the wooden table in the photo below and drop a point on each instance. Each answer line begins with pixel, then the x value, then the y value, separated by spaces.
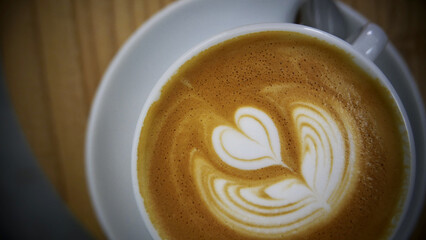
pixel 54 53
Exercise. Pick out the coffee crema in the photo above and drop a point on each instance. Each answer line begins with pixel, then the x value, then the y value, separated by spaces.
pixel 273 135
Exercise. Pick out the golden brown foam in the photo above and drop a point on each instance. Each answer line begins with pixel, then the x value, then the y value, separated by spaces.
pixel 268 71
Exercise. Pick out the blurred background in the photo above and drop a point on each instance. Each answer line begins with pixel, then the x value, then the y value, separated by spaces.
pixel 53 54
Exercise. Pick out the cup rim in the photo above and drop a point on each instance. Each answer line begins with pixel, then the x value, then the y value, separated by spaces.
pixel 365 63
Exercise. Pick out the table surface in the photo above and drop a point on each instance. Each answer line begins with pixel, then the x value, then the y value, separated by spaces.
pixel 54 53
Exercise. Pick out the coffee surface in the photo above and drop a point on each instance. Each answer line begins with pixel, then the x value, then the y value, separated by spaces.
pixel 272 135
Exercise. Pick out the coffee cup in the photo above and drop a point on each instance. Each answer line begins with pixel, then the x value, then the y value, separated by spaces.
pixel 274 131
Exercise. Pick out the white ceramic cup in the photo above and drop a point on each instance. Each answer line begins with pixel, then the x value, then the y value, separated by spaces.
pixel 364 50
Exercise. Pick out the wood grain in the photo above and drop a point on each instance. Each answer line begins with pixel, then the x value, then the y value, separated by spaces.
pixel 67 99
pixel 54 53
pixel 23 67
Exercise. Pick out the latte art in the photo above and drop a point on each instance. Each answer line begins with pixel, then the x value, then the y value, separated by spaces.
pixel 272 135
pixel 255 145
pixel 289 203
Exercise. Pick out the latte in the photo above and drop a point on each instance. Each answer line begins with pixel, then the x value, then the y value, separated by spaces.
pixel 273 135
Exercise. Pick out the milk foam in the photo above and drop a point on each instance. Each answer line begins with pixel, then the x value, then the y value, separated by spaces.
pixel 272 135
pixel 292 202
pixel 254 145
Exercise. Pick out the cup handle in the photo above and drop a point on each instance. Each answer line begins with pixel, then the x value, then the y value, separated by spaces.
pixel 371 41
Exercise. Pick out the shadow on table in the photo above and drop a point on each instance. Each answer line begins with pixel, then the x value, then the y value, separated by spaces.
pixel 29 206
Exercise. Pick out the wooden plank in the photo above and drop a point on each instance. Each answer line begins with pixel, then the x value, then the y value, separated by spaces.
pixel 83 16
pixel 103 32
pixel 25 81
pixel 138 12
pixel 123 20
pixel 68 103
pixel 415 39
pixel 152 7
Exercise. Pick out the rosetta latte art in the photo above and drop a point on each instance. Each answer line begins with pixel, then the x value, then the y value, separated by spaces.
pixel 293 202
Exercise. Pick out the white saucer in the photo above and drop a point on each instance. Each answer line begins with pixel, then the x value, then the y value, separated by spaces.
pixel 141 62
